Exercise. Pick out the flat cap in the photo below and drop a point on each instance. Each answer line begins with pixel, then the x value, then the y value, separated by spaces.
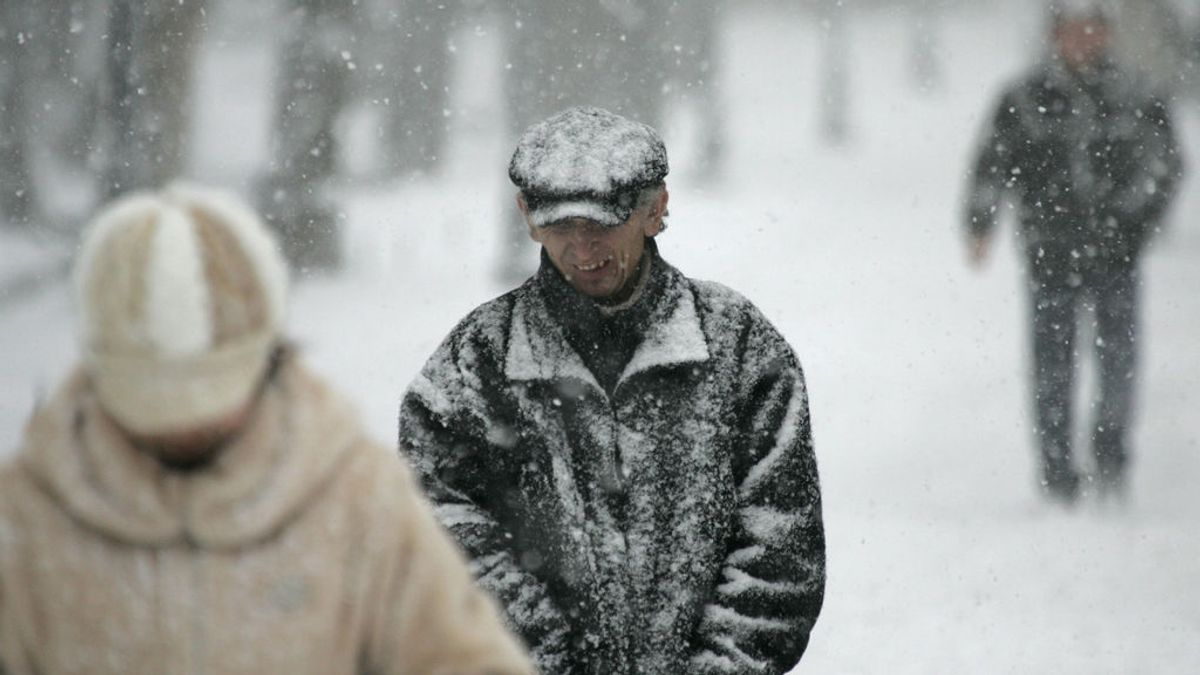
pixel 586 163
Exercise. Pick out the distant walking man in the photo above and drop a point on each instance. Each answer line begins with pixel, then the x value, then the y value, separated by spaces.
pixel 1093 163
pixel 623 451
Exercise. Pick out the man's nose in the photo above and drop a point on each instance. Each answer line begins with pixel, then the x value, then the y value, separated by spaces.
pixel 584 235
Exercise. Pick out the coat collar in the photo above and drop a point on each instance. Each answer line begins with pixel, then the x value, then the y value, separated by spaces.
pixel 538 349
pixel 296 442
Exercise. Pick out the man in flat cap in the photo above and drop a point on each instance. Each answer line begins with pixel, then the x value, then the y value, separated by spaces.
pixel 624 452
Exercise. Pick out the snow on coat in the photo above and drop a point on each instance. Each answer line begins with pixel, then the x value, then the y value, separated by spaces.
pixel 1091 158
pixel 305 549
pixel 674 526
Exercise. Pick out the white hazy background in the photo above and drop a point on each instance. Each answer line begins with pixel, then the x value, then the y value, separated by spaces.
pixel 941 557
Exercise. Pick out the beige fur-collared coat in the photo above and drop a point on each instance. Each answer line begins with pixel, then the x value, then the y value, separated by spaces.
pixel 306 548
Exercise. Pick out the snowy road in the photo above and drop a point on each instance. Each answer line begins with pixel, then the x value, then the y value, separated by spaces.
pixel 941 559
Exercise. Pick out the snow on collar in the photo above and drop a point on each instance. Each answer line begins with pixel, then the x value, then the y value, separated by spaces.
pixel 540 351
pixel 676 340
pixel 543 354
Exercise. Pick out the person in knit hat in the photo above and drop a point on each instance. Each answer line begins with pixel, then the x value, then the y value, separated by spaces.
pixel 624 451
pixel 194 499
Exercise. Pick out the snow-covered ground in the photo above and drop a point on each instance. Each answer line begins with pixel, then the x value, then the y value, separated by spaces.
pixel 941 557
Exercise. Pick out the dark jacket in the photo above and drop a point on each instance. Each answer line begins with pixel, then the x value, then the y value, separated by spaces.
pixel 1090 157
pixel 673 526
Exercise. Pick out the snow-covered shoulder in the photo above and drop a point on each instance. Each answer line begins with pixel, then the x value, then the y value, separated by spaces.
pixel 729 315
pixel 486 326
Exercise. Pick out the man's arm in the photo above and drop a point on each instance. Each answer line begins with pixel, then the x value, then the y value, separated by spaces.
pixel 991 175
pixel 455 442
pixel 773 585
pixel 1152 173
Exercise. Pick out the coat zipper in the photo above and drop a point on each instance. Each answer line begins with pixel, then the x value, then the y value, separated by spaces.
pixel 198 630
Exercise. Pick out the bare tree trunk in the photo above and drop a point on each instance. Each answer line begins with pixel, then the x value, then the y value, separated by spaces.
pixel 83 66
pixel 313 89
pixel 834 96
pixel 19 27
pixel 152 50
pixel 693 65
pixel 925 19
pixel 415 121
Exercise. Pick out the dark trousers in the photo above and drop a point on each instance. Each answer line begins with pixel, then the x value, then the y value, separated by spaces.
pixel 1059 297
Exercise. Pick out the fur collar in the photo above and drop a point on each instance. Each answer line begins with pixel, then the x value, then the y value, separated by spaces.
pixel 538 348
pixel 296 442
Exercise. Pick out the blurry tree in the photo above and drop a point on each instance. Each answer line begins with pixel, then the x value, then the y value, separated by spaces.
pixel 925 16
pixel 51 86
pixel 20 30
pixel 595 52
pixel 82 123
pixel 152 47
pixel 416 83
pixel 693 69
pixel 834 97
pixel 312 90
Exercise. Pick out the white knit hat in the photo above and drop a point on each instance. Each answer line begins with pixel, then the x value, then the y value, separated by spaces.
pixel 181 296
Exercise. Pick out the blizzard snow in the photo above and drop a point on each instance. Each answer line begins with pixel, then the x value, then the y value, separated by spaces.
pixel 941 557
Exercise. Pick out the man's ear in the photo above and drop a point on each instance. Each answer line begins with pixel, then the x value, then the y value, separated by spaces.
pixel 658 210
pixel 535 233
pixel 660 203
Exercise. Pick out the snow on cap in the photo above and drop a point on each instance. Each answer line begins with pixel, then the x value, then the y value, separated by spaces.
pixel 181 296
pixel 586 163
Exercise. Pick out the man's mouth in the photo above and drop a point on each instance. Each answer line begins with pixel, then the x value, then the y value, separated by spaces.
pixel 592 267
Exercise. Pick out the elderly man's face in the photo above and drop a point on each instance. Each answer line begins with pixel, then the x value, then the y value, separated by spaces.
pixel 600 261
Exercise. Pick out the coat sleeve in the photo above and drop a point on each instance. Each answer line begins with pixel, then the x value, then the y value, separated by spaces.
pixel 3 671
pixel 992 172
pixel 3 640
pixel 773 584
pixel 450 430
pixel 15 657
pixel 1152 169
pixel 433 618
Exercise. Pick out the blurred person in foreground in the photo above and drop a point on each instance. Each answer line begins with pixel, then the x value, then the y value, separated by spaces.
pixel 193 499
pixel 1091 158
pixel 624 452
